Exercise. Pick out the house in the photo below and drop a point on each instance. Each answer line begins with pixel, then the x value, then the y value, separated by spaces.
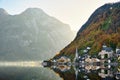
pixel 106 52
pixel 88 48
pixel 92 60
pixel 85 51
pixel 63 59
pixel 81 59
pixel 88 60
pixel 118 52
pixel 95 60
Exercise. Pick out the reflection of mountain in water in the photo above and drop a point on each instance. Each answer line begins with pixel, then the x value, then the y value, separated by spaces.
pixel 86 67
pixel 17 73
pixel 80 72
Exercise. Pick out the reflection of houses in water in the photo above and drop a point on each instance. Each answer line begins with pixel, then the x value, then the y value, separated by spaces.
pixel 47 63
pixel 92 67
pixel 105 73
pixel 117 75
pixel 63 64
pixel 93 64
pixel 63 68
pixel 86 64
pixel 106 52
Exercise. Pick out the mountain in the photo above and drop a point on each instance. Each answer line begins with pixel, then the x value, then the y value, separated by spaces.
pixel 103 27
pixel 3 12
pixel 31 35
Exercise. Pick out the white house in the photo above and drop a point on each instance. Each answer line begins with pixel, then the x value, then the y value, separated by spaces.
pixel 106 52
pixel 85 51
pixel 118 52
pixel 88 48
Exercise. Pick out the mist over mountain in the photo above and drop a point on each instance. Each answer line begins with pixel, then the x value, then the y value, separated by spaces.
pixel 32 35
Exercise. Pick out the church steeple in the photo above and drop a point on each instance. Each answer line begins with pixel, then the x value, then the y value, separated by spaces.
pixel 76 55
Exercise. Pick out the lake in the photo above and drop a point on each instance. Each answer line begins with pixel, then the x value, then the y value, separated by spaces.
pixel 26 70
pixel 33 70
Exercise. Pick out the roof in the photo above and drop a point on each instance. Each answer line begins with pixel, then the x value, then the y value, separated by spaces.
pixel 107 49
pixel 88 48
pixel 85 51
pixel 118 52
pixel 104 45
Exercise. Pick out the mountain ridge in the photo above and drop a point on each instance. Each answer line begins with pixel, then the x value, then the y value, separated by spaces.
pixel 3 12
pixel 103 27
pixel 97 12
pixel 32 36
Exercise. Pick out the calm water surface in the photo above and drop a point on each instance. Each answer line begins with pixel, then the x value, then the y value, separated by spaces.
pixel 34 71
pixel 30 71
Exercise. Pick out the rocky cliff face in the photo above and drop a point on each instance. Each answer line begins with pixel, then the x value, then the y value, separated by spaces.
pixel 31 35
pixel 103 27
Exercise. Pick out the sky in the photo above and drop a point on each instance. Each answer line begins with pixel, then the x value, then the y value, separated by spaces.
pixel 72 12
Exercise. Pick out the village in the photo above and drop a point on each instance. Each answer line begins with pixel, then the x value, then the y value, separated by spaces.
pixel 104 62
pixel 105 56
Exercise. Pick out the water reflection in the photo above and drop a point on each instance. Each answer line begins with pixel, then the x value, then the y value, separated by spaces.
pixel 84 71
pixel 21 64
pixel 85 67
pixel 104 66
pixel 64 69
pixel 26 70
